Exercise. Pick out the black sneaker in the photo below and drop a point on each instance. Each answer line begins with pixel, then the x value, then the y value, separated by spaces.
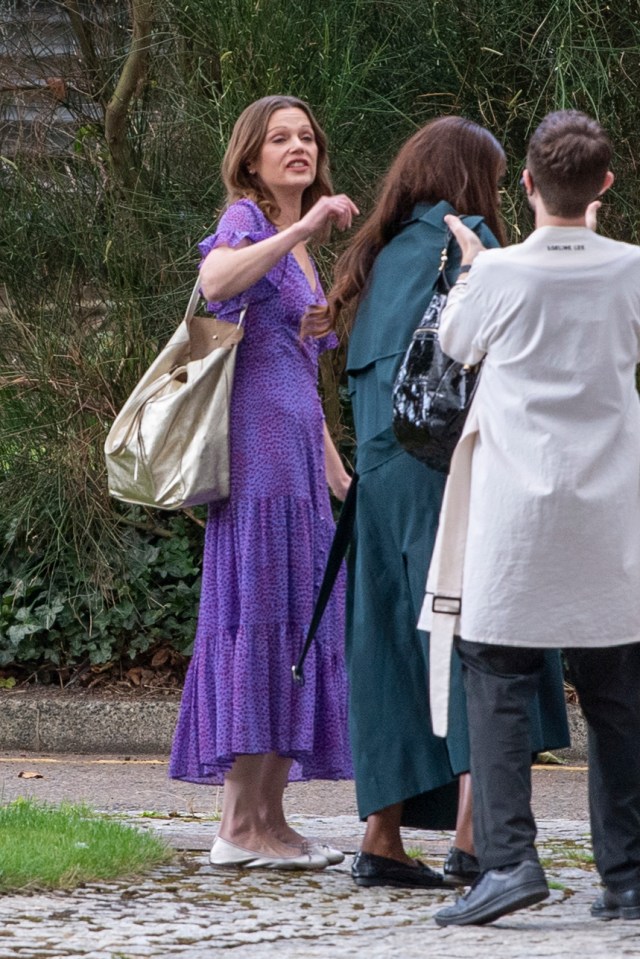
pixel 497 893
pixel 461 867
pixel 617 905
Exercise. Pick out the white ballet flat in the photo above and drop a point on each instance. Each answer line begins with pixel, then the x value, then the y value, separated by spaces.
pixel 225 853
pixel 330 853
pixel 319 848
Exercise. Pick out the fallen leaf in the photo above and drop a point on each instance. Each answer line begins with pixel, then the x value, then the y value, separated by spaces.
pixel 549 759
pixel 161 657
pixel 57 86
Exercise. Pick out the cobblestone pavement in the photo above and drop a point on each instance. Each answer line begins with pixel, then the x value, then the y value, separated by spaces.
pixel 191 911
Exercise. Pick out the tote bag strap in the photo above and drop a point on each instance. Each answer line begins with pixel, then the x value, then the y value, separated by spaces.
pixel 193 302
pixel 194 299
pixel 158 385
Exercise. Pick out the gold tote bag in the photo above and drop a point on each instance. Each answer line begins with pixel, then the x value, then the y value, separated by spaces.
pixel 169 445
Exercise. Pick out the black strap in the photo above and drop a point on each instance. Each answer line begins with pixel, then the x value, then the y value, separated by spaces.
pixel 339 546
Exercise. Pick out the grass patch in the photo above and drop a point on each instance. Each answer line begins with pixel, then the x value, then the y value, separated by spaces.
pixel 549 759
pixel 566 853
pixel 60 847
pixel 415 852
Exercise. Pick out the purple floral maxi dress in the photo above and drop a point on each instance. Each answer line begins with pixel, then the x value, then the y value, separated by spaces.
pixel 265 550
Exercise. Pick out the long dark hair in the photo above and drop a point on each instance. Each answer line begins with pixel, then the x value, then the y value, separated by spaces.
pixel 450 159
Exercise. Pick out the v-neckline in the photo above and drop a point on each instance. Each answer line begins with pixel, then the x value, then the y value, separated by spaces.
pixel 313 289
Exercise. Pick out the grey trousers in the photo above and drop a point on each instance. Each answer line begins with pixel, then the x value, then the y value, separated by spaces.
pixel 500 681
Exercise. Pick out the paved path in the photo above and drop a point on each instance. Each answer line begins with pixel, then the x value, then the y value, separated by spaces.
pixel 189 910
pixel 117 784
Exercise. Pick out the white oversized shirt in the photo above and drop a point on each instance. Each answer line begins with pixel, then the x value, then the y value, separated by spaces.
pixel 548 469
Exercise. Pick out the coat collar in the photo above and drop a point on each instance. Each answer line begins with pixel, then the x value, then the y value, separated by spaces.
pixel 433 214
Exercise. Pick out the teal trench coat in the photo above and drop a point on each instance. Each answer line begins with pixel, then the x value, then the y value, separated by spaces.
pixel 396 756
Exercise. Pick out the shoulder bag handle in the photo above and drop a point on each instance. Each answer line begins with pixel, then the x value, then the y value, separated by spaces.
pixel 442 284
pixel 194 299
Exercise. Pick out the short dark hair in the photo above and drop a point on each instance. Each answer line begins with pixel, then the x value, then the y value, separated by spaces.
pixel 568 158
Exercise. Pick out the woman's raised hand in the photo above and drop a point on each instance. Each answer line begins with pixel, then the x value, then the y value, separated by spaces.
pixel 469 242
pixel 226 272
pixel 338 210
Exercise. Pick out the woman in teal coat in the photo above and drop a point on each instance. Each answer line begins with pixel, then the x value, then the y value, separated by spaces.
pixel 404 774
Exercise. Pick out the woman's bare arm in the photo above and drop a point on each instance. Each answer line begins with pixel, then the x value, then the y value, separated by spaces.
pixel 337 477
pixel 228 271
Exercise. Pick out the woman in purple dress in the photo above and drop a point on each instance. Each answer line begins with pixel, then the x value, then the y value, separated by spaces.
pixel 242 720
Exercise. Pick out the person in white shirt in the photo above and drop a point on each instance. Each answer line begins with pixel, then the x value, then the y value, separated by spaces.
pixel 539 538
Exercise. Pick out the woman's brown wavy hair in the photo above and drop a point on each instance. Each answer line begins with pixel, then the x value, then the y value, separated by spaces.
pixel 450 159
pixel 244 147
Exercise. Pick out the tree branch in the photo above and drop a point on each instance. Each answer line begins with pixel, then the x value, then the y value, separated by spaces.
pixel 85 40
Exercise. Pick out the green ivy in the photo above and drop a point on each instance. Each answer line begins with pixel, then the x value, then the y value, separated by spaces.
pixel 61 620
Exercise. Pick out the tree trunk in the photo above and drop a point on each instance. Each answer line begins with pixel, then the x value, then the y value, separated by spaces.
pixel 134 73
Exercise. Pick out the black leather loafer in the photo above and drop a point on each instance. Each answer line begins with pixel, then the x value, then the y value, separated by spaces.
pixel 617 905
pixel 461 867
pixel 370 870
pixel 496 893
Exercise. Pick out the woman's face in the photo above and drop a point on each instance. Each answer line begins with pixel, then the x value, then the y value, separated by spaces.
pixel 288 157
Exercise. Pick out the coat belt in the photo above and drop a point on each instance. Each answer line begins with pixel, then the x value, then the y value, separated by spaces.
pixel 440 613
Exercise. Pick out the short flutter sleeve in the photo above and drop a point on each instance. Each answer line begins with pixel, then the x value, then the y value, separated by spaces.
pixel 243 220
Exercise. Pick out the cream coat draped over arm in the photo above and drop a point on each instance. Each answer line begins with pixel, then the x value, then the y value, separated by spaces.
pixel 539 536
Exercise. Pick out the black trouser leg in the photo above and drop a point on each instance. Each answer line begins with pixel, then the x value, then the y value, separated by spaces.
pixel 608 685
pixel 500 682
